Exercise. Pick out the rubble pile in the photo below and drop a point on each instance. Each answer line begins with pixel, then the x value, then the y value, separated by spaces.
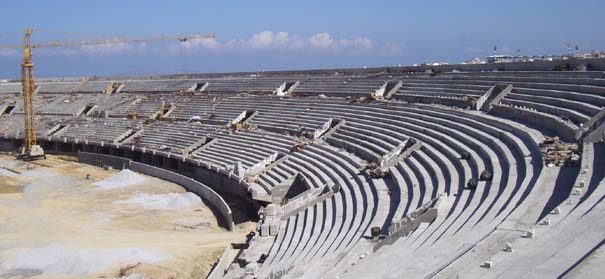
pixel 362 100
pixel 297 146
pixel 374 170
pixel 558 153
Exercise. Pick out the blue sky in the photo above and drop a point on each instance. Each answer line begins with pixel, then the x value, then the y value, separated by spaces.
pixel 288 34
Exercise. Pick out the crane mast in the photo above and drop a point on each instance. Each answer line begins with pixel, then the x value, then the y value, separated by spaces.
pixel 30 149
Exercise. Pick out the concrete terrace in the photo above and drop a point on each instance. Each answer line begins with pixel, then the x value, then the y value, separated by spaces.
pixel 394 172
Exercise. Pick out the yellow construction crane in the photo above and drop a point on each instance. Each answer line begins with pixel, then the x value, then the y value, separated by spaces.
pixel 30 149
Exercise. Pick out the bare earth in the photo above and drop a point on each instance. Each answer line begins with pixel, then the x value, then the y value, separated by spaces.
pixel 54 223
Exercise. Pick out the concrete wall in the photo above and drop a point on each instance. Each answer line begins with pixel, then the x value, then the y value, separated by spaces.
pixel 484 98
pixel 597 135
pixel 541 120
pixel 209 196
pixel 102 160
pixel 206 193
pixel 453 102
pixel 594 129
pixel 221 181
pixel 8 145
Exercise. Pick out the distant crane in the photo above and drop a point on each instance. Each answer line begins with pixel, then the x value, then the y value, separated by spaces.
pixel 30 150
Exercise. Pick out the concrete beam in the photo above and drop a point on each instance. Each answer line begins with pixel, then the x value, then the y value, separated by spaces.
pixel 286 88
pixel 205 146
pixel 335 125
pixel 392 90
pixel 128 136
pixel 323 129
pixel 597 134
pixel 427 213
pixel 261 166
pixel 239 118
pixel 399 153
pixel 593 128
pixel 199 143
pixel 495 96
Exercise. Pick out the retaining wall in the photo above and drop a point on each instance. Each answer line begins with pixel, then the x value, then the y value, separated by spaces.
pixel 209 196
pixel 7 146
pixel 597 135
pixel 102 160
pixel 543 121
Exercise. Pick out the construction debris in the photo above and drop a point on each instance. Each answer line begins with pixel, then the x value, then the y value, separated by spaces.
pixel 297 146
pixel 361 100
pixel 305 134
pixel 486 176
pixel 472 184
pixel 374 170
pixel 558 153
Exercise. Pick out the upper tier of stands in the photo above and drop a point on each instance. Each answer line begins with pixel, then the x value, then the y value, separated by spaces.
pixel 558 102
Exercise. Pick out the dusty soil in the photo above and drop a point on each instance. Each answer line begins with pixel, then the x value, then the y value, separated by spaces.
pixel 55 223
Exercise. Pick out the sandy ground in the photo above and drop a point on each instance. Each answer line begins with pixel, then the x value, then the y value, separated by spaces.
pixel 55 223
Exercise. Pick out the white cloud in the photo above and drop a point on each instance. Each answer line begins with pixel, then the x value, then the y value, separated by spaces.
pixel 281 41
pixel 208 43
pixel 112 46
pixel 265 40
pixel 321 40
pixel 393 49
pixel 8 52
pixel 477 50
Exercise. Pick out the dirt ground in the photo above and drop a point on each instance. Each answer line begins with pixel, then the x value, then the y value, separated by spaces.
pixel 55 223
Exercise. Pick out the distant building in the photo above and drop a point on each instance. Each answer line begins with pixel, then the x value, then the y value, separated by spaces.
pixel 499 59
pixel 475 60
pixel 503 58
pixel 431 64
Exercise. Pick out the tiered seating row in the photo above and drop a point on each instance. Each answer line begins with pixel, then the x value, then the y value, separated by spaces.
pixel 339 86
pixel 241 85
pixel 97 130
pixel 8 88
pixel 172 137
pixel 170 85
pixel 246 147
pixel 57 87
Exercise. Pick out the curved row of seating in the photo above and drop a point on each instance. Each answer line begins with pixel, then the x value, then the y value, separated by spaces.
pixel 11 126
pixel 492 146
pixel 70 104
pixel 98 130
pixel 564 235
pixel 338 86
pixel 231 86
pixel 329 228
pixel 573 98
pixel 471 214
pixel 247 147
pixel 168 85
pixel 177 137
